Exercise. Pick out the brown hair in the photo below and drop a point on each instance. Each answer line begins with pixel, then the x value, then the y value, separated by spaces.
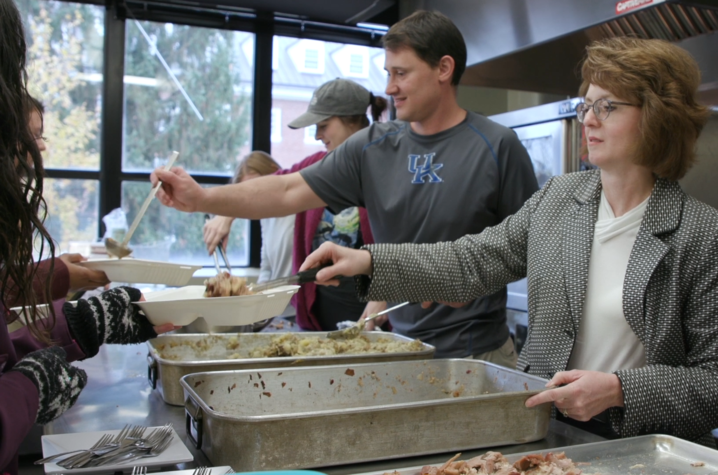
pixel 662 80
pixel 258 162
pixel 34 105
pixel 23 207
pixel 432 35
pixel 378 106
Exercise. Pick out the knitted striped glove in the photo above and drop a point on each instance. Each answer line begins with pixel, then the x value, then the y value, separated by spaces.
pixel 108 318
pixel 58 383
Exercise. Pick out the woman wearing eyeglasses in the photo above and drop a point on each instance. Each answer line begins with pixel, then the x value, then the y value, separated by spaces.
pixel 622 265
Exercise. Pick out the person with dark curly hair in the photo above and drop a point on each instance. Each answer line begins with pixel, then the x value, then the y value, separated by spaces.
pixel 622 265
pixel 37 382
pixel 67 276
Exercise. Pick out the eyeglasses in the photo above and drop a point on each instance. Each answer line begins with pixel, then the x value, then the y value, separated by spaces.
pixel 601 109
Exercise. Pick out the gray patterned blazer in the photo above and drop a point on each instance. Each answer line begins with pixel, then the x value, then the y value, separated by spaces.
pixel 670 293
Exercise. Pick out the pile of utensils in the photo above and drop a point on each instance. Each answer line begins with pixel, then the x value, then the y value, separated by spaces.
pixel 130 444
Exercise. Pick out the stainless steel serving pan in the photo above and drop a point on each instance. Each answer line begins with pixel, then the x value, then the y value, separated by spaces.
pixel 318 416
pixel 164 374
pixel 646 454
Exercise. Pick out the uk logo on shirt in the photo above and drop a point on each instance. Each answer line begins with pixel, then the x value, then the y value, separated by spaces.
pixel 426 171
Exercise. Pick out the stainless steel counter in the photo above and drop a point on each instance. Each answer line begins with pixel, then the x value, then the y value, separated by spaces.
pixel 117 393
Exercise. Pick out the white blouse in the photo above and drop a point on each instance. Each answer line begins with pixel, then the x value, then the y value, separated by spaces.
pixel 605 342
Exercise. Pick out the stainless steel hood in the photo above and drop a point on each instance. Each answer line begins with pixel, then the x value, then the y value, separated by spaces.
pixel 537 45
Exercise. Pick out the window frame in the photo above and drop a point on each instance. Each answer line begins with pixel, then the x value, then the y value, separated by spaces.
pixel 264 26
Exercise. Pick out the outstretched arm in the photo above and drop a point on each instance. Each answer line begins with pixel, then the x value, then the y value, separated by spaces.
pixel 265 197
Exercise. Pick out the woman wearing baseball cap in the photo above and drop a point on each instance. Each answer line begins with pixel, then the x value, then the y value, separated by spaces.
pixel 339 109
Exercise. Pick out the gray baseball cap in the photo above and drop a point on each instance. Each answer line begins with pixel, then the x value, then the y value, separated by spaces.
pixel 336 97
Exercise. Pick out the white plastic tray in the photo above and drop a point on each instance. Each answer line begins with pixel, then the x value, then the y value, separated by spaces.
pixel 140 271
pixel 43 310
pixel 184 305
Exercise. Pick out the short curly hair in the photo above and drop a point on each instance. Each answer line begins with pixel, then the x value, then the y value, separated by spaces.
pixel 662 79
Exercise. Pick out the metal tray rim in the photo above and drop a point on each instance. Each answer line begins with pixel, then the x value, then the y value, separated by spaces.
pixel 383 407
pixel 512 457
pixel 363 410
pixel 428 349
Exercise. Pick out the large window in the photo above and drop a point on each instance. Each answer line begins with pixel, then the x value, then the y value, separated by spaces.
pixel 65 64
pixel 72 211
pixel 165 234
pixel 300 67
pixel 65 74
pixel 186 89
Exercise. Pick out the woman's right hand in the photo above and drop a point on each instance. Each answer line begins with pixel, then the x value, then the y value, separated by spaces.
pixel 346 262
pixel 216 231
pixel 82 278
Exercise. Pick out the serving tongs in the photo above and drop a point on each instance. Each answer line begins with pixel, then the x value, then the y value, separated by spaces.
pixel 121 250
pixel 355 331
pixel 219 248
pixel 299 278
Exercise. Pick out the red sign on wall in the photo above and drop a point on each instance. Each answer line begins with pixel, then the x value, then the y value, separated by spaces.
pixel 625 6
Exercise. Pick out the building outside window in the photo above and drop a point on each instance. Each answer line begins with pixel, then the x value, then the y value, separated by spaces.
pixel 293 85
pixel 65 64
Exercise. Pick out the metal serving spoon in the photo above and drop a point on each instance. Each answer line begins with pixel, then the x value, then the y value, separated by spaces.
pixel 121 250
pixel 355 331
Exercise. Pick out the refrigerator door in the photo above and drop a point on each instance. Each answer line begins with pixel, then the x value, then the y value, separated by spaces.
pixel 548 145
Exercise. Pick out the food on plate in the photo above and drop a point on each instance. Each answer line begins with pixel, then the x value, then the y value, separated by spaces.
pixel 287 344
pixel 226 285
pixel 494 463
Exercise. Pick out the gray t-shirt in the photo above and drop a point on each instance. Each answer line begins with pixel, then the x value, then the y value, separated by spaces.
pixel 432 188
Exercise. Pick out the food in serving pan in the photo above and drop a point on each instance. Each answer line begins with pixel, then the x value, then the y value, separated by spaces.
pixel 287 344
pixel 225 285
pixel 494 463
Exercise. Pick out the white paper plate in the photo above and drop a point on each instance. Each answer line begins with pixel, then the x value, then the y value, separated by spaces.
pixel 140 271
pixel 184 305
pixel 175 453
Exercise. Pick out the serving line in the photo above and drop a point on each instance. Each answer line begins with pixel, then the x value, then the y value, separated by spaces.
pixel 118 393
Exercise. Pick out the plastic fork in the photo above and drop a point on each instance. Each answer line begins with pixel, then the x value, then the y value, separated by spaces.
pixel 139 470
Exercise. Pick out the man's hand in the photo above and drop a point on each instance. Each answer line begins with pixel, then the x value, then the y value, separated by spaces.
pixel 582 394
pixel 216 231
pixel 374 307
pixel 179 190
pixel 82 278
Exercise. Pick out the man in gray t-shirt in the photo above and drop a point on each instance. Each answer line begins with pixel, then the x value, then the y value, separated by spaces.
pixel 436 174
pixel 426 189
